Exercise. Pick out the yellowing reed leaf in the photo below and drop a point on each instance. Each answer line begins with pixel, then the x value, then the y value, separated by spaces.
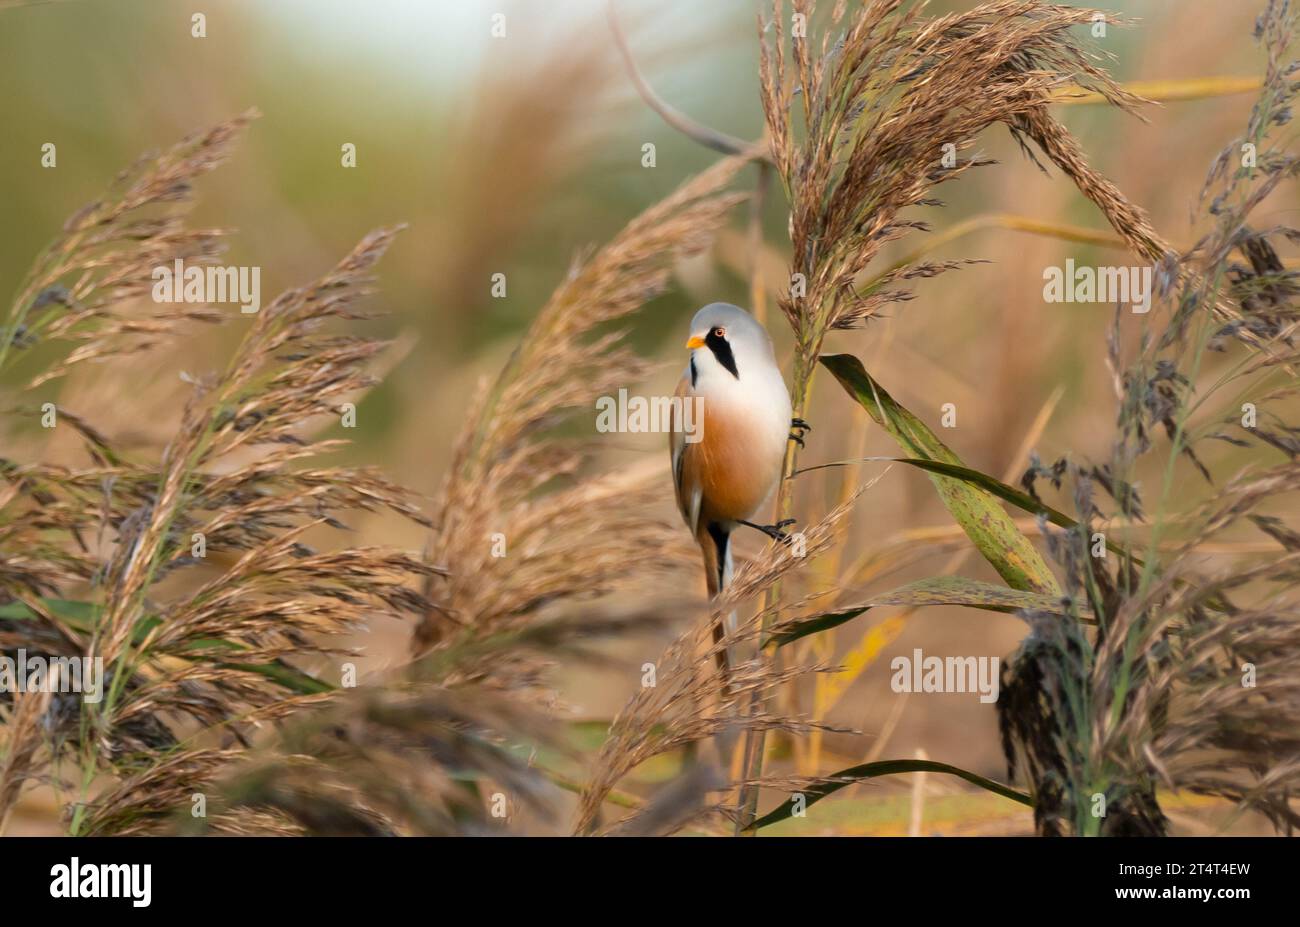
pixel 1165 91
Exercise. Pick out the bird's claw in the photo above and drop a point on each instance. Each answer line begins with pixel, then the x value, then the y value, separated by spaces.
pixel 773 531
pixel 799 428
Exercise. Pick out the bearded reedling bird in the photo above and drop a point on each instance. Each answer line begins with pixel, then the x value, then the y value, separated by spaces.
pixel 723 479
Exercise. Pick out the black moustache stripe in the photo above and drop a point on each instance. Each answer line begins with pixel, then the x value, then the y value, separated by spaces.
pixel 722 351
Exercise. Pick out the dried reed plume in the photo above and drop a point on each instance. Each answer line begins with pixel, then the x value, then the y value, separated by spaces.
pixel 686 707
pixel 86 285
pixel 880 100
pixel 391 758
pixel 1188 681
pixel 84 548
pixel 881 97
pixel 567 541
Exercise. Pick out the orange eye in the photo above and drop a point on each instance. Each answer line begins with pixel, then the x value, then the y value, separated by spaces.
pixel 720 332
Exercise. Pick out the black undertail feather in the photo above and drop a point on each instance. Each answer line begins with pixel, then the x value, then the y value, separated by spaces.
pixel 721 538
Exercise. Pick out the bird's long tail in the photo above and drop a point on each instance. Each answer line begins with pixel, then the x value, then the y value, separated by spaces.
pixel 716 546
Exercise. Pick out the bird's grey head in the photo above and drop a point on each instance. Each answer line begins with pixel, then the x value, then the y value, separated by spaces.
pixel 730 336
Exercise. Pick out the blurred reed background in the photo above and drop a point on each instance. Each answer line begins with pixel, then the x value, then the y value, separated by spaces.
pixel 512 156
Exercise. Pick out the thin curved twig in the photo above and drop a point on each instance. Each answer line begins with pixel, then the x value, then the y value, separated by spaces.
pixel 698 132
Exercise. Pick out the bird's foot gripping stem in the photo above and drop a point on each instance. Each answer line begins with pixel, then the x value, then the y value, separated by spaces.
pixel 799 428
pixel 773 531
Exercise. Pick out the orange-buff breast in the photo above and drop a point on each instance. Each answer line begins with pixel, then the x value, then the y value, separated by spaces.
pixel 733 464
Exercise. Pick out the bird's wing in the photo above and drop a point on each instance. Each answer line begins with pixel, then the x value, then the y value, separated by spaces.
pixel 689 492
